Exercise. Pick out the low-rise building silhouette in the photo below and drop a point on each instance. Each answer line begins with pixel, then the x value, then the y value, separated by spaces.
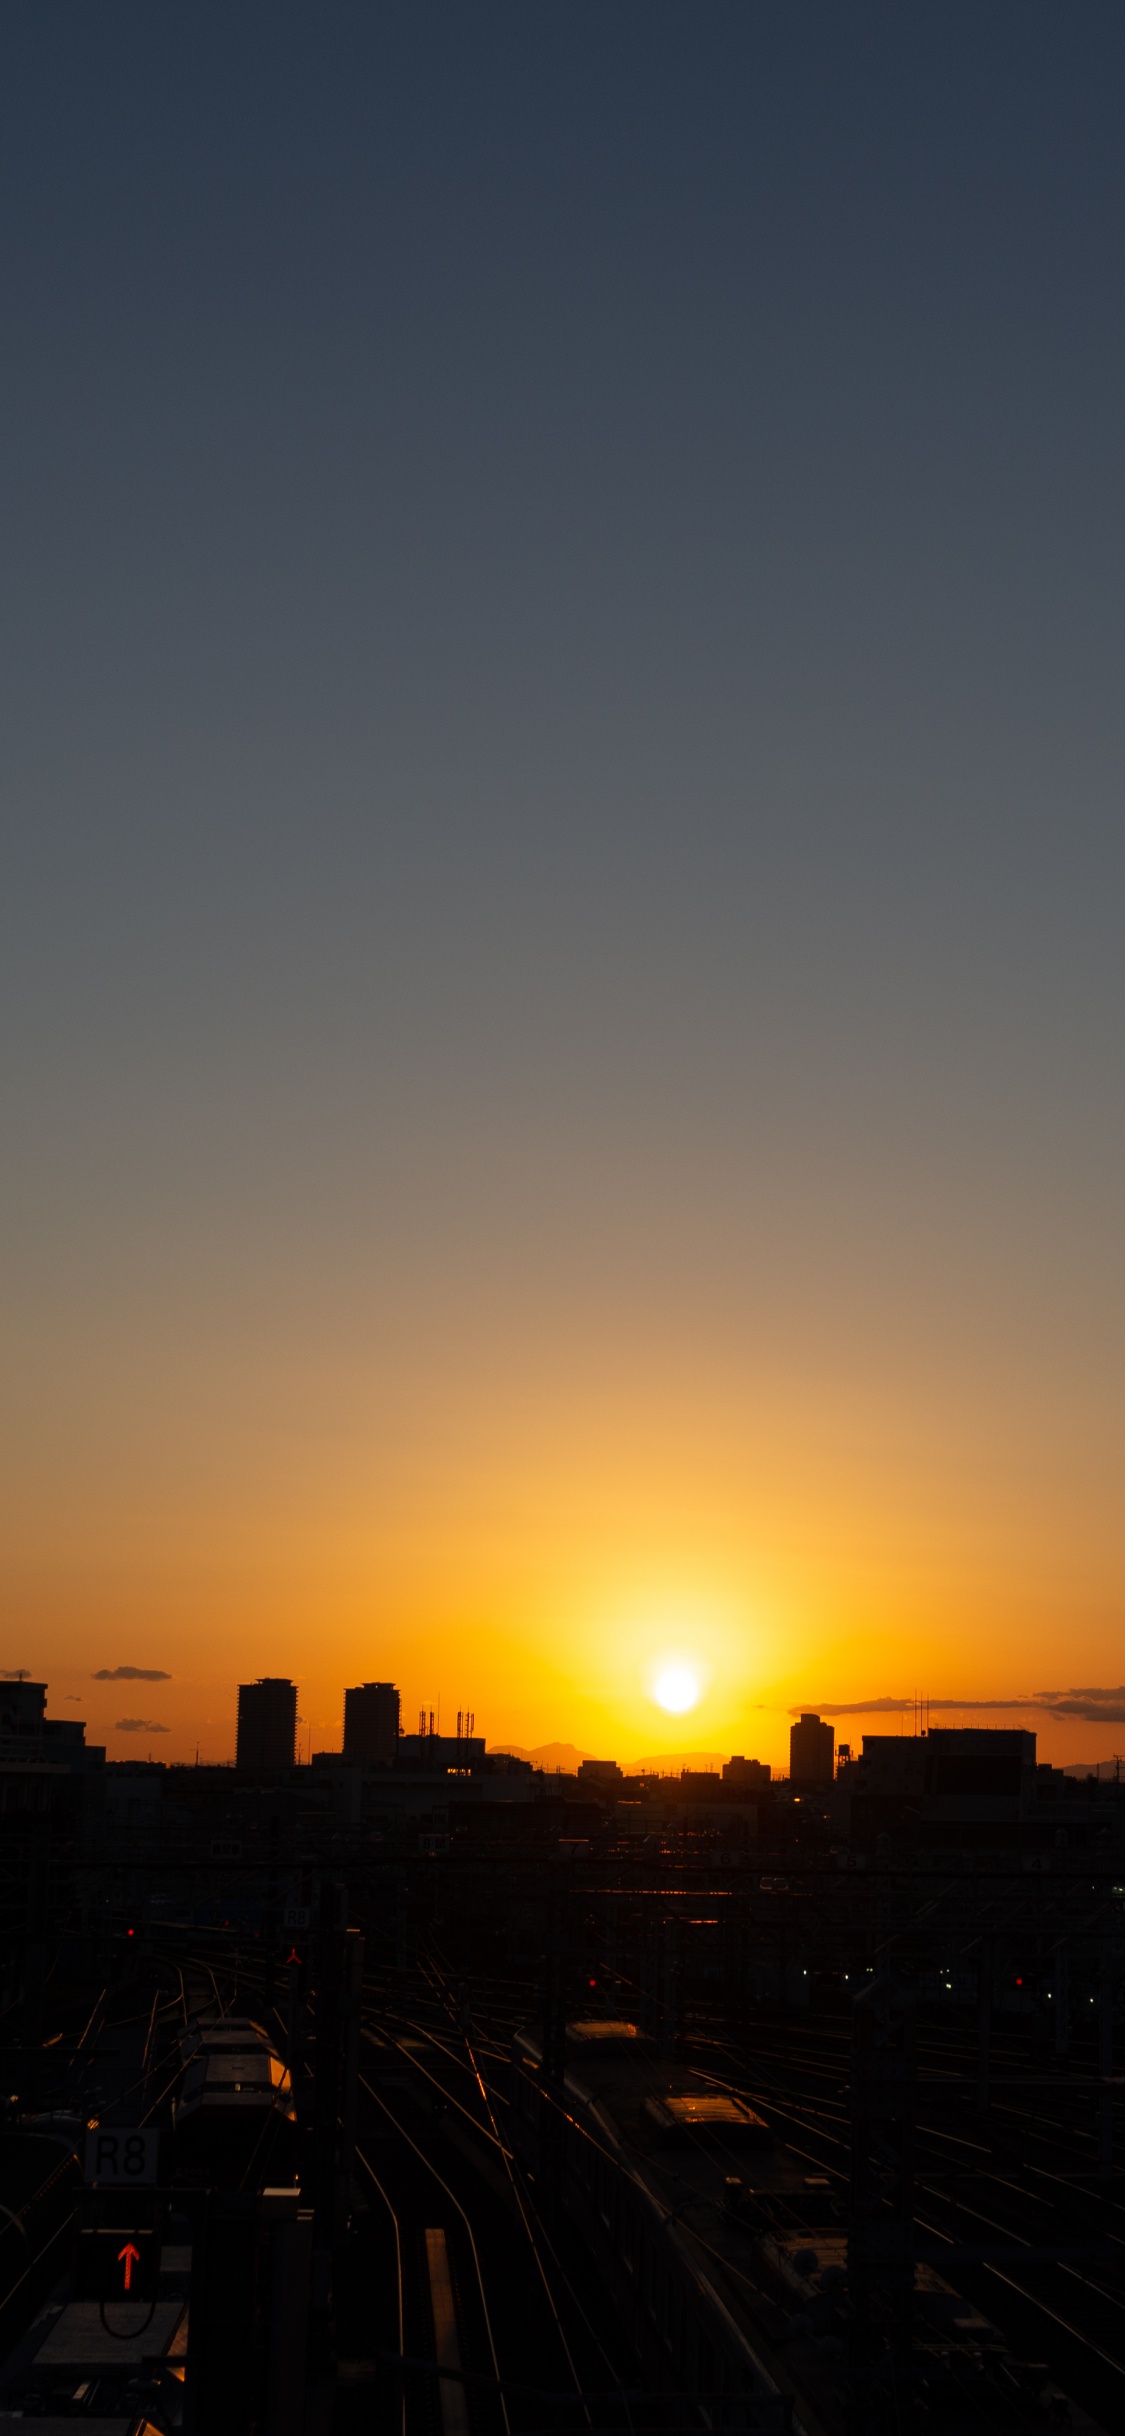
pixel 750 1774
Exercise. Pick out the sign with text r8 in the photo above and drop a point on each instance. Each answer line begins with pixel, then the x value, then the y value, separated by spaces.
pixel 114 2154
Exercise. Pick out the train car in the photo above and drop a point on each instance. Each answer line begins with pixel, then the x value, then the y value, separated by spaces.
pixel 725 2251
pixel 634 2153
pixel 234 2120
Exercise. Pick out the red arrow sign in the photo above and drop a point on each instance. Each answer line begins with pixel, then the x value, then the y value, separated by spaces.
pixel 132 2258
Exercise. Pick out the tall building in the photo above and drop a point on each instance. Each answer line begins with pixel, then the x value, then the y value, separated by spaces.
pixel 46 1763
pixel 267 1723
pixel 811 1749
pixel 22 1705
pixel 371 1723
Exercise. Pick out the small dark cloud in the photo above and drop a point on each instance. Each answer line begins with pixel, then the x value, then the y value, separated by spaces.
pixel 1095 1706
pixel 140 1725
pixel 75 1696
pixel 888 1707
pixel 131 1674
pixel 851 1708
pixel 14 1674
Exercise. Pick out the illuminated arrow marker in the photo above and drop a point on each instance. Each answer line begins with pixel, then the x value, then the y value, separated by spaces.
pixel 132 2258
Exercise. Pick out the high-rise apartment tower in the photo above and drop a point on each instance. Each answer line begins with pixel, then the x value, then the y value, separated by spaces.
pixel 267 1723
pixel 371 1723
pixel 811 1749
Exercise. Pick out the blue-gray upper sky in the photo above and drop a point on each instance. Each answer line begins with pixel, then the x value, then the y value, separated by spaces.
pixel 561 715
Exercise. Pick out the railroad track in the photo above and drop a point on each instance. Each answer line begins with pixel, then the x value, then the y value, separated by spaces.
pixel 430 2139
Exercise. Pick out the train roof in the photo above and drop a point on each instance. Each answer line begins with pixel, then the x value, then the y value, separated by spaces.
pixel 230 2034
pixel 230 2066
pixel 684 2134
pixel 763 2225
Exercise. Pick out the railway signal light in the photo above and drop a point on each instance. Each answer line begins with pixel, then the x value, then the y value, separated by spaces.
pixel 118 2262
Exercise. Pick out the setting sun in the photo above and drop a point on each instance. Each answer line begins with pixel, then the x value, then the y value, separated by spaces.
pixel 676 1689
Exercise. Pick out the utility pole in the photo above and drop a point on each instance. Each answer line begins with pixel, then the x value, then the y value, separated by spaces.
pixel 668 1932
pixel 271 1914
pixel 984 2020
pixel 326 2092
pixel 1105 2062
pixel 881 2201
pixel 1061 1993
pixel 553 2034
pixel 352 2009
pixel 35 1958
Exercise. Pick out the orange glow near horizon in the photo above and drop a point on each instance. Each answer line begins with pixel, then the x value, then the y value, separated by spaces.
pixel 525 1488
pixel 481 1563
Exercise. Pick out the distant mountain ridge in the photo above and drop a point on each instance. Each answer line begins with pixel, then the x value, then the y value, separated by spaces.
pixel 546 1755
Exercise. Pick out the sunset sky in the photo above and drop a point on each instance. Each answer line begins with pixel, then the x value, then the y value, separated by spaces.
pixel 561 972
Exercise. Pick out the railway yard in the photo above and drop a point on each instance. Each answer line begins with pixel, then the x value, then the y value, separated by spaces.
pixel 480 2141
